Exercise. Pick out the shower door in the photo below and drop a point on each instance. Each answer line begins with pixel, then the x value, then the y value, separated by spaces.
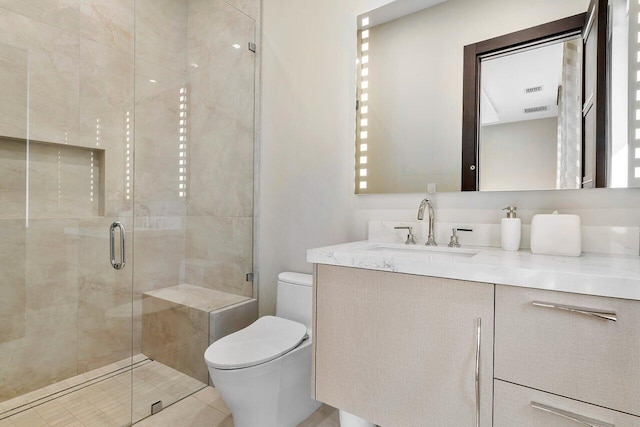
pixel 66 175
pixel 194 90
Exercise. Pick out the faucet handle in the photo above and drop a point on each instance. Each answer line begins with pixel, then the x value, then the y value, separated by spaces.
pixel 411 240
pixel 454 239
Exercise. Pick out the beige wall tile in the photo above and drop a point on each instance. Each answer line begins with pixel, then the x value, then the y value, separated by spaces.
pixel 159 252
pixel 249 7
pixel 53 329
pixel 225 76
pixel 104 298
pixel 221 168
pixel 53 75
pixel 175 335
pixel 109 23
pixel 13 155
pixel 107 118
pixel 58 13
pixel 61 180
pixel 158 107
pixel 231 319
pixel 219 253
pixel 13 80
pixel 161 31
pixel 12 282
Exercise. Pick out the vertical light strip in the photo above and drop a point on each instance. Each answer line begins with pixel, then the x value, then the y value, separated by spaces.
pixel 362 125
pixel 98 131
pixel 182 143
pixel 92 171
pixel 127 156
pixel 634 101
pixel 59 178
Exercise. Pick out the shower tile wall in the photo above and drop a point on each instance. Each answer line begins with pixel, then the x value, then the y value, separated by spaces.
pixel 220 202
pixel 69 65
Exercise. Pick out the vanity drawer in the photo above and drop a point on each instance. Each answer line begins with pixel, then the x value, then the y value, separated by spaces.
pixel 553 341
pixel 524 407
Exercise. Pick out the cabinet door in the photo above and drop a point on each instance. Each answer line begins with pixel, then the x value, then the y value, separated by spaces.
pixel 400 350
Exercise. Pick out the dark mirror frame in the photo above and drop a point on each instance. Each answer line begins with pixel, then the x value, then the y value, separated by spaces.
pixel 471 87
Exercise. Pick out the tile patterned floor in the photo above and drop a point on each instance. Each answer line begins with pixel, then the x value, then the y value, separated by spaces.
pixel 100 398
pixel 206 409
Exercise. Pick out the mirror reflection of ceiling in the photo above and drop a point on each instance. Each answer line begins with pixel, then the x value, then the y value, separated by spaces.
pixel 395 10
pixel 521 86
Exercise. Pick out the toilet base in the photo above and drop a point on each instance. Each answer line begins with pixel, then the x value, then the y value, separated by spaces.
pixel 273 394
pixel 350 420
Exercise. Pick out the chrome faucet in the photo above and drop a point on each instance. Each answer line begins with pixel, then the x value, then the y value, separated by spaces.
pixel 431 239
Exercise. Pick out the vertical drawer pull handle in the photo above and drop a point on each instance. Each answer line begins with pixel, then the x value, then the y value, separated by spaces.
pixel 590 422
pixel 601 314
pixel 477 376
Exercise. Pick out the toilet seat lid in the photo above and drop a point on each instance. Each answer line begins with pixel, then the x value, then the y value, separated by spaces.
pixel 265 339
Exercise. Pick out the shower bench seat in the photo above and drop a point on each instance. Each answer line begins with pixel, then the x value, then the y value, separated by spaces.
pixel 180 322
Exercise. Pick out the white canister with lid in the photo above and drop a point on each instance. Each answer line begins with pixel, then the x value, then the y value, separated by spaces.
pixel 511 230
pixel 556 234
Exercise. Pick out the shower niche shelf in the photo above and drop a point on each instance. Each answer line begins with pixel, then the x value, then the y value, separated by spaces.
pixel 45 179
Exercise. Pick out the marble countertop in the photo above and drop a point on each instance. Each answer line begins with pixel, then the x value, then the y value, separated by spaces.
pixel 616 276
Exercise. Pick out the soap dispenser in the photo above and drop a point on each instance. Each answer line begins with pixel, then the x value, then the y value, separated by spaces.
pixel 511 230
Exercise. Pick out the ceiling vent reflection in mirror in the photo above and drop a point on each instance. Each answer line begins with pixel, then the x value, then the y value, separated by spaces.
pixel 536 109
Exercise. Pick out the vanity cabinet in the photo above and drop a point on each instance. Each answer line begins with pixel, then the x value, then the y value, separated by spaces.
pixel 581 347
pixel 403 350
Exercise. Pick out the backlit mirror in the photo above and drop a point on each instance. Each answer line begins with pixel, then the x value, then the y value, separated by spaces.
pixel 532 130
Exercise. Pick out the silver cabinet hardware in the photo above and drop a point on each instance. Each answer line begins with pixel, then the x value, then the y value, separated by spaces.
pixel 112 235
pixel 601 314
pixel 479 335
pixel 570 416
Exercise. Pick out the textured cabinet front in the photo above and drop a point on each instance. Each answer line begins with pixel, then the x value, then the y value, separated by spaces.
pixel 570 353
pixel 523 407
pixel 400 350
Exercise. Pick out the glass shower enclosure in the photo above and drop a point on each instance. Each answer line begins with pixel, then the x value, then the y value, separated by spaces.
pixel 126 189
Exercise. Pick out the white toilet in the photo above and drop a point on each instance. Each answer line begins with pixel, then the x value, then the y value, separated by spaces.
pixel 263 372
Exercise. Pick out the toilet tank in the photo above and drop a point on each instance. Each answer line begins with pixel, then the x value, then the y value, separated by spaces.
pixel 294 297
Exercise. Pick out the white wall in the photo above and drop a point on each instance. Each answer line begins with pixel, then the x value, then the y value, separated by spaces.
pixel 519 155
pixel 307 152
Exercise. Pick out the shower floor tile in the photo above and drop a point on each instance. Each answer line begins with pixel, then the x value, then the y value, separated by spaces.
pixel 102 397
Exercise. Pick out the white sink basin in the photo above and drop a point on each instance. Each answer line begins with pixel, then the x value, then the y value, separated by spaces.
pixel 422 249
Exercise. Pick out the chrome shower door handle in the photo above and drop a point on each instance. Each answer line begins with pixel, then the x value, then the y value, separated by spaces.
pixel 112 237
